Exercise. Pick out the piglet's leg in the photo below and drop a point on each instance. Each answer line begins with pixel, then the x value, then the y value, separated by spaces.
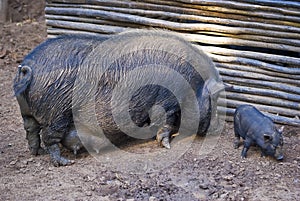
pixel 247 144
pixel 236 142
pixel 171 126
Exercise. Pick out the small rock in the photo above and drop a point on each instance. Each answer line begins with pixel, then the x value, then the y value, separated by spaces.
pixel 277 175
pixel 88 193
pixel 152 198
pixel 30 160
pixel 131 199
pixel 13 162
pixel 228 177
pixel 203 185
pixel 224 195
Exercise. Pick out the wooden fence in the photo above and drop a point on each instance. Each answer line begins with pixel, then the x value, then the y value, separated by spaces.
pixel 255 44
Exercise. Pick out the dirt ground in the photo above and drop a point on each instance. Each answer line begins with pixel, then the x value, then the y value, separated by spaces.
pixel 218 175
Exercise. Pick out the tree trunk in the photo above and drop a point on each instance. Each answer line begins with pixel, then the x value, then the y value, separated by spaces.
pixel 3 10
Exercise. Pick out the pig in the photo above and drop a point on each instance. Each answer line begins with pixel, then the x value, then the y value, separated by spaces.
pixel 257 129
pixel 50 95
pixel 43 88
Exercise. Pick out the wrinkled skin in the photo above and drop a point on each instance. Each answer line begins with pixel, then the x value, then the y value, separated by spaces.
pixel 43 88
pixel 45 81
pixel 257 129
pixel 130 51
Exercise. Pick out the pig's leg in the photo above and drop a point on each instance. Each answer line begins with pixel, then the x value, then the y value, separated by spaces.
pixel 33 129
pixel 164 133
pixel 247 144
pixel 163 136
pixel 51 140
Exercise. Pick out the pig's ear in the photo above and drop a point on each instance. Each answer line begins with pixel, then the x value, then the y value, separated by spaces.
pixel 280 130
pixel 268 137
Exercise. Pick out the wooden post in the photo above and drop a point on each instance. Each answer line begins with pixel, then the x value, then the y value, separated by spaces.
pixel 3 10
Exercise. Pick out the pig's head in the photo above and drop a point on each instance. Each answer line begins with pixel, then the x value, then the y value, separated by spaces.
pixel 273 144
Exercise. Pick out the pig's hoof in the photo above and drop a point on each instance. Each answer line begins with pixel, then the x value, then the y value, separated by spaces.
pixel 163 136
pixel 38 151
pixel 62 162
pixel 42 151
pixel 163 141
pixel 166 142
pixel 236 145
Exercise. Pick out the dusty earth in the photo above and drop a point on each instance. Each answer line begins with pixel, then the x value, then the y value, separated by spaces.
pixel 218 175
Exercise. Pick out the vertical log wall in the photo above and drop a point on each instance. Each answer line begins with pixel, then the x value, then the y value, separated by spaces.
pixel 255 44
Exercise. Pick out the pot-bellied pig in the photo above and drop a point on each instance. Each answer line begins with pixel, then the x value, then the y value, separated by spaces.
pixel 257 129
pixel 43 87
pixel 128 73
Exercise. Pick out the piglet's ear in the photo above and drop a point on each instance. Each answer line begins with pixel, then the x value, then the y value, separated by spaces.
pixel 268 137
pixel 280 130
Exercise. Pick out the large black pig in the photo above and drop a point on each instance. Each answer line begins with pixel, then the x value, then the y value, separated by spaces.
pixel 48 93
pixel 43 87
pixel 257 129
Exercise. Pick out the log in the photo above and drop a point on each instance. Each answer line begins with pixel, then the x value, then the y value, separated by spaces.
pixel 254 69
pixel 263 92
pixel 256 63
pixel 272 58
pixel 278 86
pixel 86 27
pixel 261 100
pixel 250 7
pixel 89 20
pixel 277 119
pixel 267 108
pixel 56 32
